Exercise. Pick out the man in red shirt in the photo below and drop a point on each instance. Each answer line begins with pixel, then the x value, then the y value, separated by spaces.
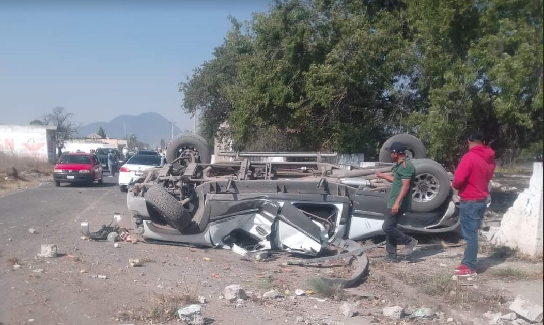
pixel 471 179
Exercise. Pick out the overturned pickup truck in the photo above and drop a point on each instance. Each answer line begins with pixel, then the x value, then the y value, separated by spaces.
pixel 298 207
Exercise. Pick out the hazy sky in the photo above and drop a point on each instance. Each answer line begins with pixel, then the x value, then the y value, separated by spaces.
pixel 100 59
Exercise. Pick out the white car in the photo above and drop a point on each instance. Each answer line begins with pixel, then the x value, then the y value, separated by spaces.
pixel 135 167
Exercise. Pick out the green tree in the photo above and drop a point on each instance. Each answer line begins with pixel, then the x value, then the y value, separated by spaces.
pixel 345 74
pixel 36 122
pixel 66 128
pixel 101 132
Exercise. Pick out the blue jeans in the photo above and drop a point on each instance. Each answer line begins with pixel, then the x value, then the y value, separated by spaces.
pixel 471 214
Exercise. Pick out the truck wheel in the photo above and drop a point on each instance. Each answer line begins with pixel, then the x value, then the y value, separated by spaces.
pixel 416 149
pixel 188 141
pixel 57 184
pixel 168 207
pixel 431 186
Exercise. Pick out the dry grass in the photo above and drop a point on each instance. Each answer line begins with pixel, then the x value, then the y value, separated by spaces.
pixel 162 308
pixel 503 252
pixel 24 164
pixel 323 288
pixel 438 284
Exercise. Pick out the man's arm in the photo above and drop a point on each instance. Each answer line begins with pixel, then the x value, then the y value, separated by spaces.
pixel 385 176
pixel 461 173
pixel 403 191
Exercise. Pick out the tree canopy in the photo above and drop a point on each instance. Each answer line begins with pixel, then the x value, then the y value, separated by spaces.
pixel 344 75
pixel 101 132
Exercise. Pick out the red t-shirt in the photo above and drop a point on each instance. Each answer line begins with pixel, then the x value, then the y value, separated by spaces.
pixel 474 172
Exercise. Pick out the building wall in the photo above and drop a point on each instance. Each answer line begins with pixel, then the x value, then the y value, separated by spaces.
pixel 28 140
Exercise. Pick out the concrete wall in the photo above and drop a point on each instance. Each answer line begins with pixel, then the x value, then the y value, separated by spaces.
pixel 28 140
pixel 521 226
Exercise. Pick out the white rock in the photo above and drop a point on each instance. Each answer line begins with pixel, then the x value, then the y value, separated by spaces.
pixel 102 276
pixel 527 309
pixel 48 251
pixel 395 312
pixel 191 314
pixel 32 231
pixel 113 236
pixel 348 310
pixel 16 266
pixel 423 313
pixel 38 270
pixel 233 292
pixel 449 320
pixel 300 292
pixel 511 316
pixel 202 299
pixel 272 294
pixel 116 245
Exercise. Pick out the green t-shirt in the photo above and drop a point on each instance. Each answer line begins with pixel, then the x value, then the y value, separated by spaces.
pixel 401 172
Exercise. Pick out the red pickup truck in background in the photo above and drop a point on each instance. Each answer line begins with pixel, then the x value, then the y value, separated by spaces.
pixel 78 167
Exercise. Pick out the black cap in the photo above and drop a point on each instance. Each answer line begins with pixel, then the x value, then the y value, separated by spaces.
pixel 397 147
pixel 476 137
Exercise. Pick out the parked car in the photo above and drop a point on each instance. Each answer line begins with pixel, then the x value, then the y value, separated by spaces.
pixel 102 154
pixel 148 152
pixel 191 201
pixel 135 167
pixel 78 167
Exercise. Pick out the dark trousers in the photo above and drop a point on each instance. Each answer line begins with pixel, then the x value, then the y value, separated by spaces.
pixel 393 236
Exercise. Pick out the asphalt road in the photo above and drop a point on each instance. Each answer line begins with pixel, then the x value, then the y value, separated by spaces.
pixel 56 291
pixel 50 297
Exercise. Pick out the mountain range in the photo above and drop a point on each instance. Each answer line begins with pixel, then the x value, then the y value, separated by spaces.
pixel 149 128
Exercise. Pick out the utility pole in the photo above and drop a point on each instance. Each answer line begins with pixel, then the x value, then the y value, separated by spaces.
pixel 172 122
pixel 194 122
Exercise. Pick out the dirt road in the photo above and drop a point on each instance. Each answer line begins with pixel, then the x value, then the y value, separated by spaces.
pixel 67 289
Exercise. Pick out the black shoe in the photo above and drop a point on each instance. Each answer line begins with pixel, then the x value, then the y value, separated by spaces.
pixel 390 259
pixel 410 247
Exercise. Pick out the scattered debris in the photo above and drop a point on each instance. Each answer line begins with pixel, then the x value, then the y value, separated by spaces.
pixel 102 276
pixel 300 292
pixel 113 237
pixel 511 316
pixel 38 270
pixel 527 309
pixel 262 255
pixel 234 292
pixel 135 262
pixel 423 313
pixel 48 251
pixel 102 233
pixel 272 294
pixel 207 259
pixel 205 284
pixel 348 310
pixel 395 312
pixel 116 245
pixel 202 300
pixel 191 315
pixel 83 271
pixel 16 266
pixel 239 250
pixel 32 231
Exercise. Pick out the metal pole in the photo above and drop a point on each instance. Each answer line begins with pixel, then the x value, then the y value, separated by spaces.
pixel 172 129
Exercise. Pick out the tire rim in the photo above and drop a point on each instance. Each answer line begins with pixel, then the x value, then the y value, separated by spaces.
pixel 426 188
pixel 183 150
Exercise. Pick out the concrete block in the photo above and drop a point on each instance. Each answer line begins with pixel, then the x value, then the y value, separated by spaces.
pixel 527 309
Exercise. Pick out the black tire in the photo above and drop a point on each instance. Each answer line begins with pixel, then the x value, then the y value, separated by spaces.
pixel 432 185
pixel 168 207
pixel 188 140
pixel 415 147
pixel 123 188
pixel 101 180
pixel 57 184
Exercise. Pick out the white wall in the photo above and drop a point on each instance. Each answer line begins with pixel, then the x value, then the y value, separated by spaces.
pixel 28 140
pixel 86 145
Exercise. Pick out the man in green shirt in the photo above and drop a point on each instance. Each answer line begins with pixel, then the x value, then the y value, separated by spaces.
pixel 399 201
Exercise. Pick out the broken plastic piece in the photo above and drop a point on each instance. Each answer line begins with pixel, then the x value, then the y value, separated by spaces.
pixel 101 234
